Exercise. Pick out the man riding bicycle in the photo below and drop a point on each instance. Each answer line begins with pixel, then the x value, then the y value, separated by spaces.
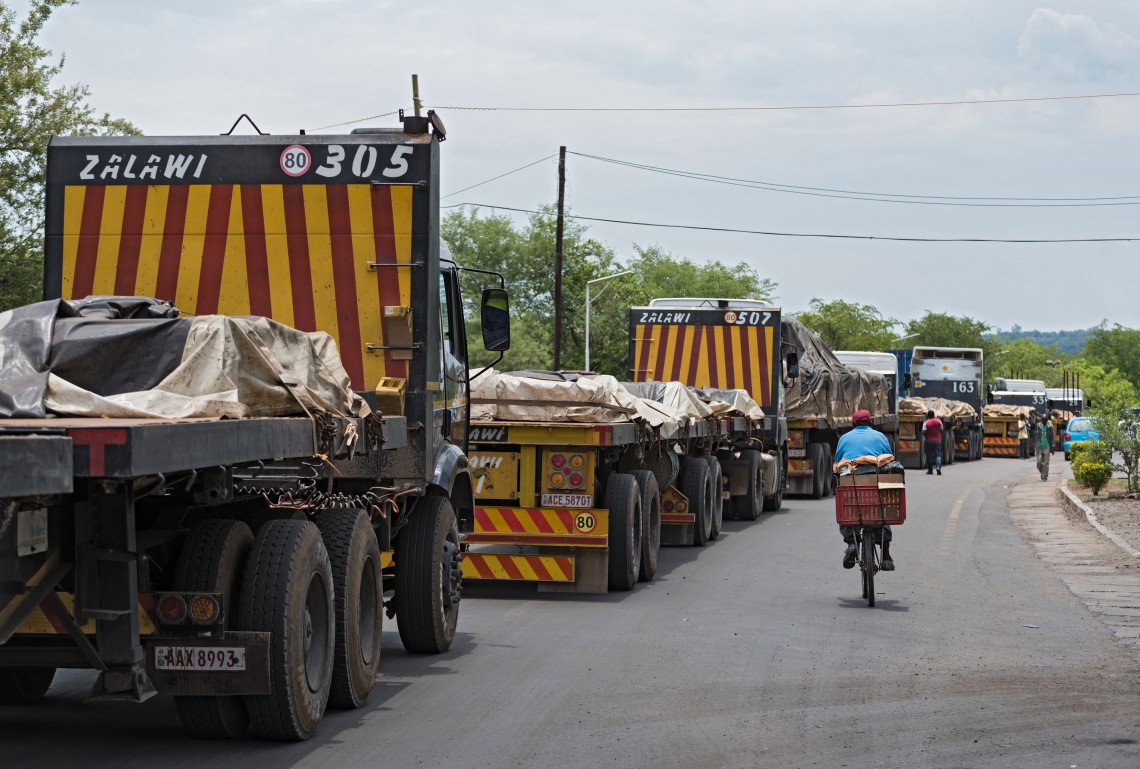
pixel 863 441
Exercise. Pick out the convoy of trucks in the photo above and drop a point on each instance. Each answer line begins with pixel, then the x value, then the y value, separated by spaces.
pixel 244 565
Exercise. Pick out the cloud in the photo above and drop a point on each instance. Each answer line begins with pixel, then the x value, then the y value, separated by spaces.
pixel 1071 46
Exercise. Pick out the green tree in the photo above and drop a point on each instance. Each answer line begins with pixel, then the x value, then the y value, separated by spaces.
pixel 1117 347
pixel 846 325
pixel 525 257
pixel 1104 388
pixel 1026 359
pixel 31 111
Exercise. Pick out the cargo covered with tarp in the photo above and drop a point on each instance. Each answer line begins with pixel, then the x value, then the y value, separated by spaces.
pixel 827 389
pixel 672 394
pixel 139 358
pixel 1007 410
pixel 500 397
pixel 730 402
pixel 942 408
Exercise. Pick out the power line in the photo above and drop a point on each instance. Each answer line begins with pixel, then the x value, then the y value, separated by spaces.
pixel 880 197
pixel 833 236
pixel 500 176
pixel 358 120
pixel 943 103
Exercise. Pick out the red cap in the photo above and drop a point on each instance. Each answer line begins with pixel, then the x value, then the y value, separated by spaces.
pixel 861 417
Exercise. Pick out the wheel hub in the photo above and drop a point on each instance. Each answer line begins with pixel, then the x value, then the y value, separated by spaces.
pixel 453 584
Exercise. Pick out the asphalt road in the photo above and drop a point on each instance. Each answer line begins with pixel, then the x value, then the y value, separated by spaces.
pixel 756 651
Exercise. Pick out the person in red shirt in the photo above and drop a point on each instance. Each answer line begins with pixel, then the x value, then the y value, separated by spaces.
pixel 932 442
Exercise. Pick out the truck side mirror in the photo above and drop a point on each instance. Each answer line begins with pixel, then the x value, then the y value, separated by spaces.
pixel 495 319
pixel 792 361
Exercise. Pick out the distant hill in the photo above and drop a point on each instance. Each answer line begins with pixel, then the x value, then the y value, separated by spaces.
pixel 1068 342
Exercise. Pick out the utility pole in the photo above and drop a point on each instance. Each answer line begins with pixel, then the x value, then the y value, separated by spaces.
pixel 558 260
pixel 416 94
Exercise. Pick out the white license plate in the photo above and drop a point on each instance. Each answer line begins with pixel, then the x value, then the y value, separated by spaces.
pixel 797 452
pixel 200 658
pixel 567 500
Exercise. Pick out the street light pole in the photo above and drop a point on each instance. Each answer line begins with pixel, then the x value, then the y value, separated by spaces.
pixel 588 300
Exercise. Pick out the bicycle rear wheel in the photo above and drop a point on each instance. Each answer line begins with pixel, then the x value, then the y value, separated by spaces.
pixel 868 567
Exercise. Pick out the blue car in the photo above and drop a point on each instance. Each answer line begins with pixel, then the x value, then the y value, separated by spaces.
pixel 1079 430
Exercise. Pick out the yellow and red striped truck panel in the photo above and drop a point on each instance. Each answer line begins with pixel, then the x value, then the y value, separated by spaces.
pixel 297 253
pixel 581 527
pixel 522 568
pixel 727 357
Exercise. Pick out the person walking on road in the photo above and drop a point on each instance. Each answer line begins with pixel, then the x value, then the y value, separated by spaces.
pixel 932 442
pixel 1045 447
pixel 1022 439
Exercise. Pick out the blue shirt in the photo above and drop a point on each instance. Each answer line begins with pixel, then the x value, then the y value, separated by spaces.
pixel 863 441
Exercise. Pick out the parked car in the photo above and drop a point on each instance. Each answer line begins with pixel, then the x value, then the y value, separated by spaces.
pixel 1079 430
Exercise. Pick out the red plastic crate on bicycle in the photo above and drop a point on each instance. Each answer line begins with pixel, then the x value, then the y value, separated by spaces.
pixel 870 499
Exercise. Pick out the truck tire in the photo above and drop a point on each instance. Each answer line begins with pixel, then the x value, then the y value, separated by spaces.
pixel 213 559
pixel 354 555
pixel 19 686
pixel 428 580
pixel 815 457
pixel 776 501
pixel 650 524
pixel 288 591
pixel 747 507
pixel 828 474
pixel 623 500
pixel 948 447
pixel 717 484
pixel 695 485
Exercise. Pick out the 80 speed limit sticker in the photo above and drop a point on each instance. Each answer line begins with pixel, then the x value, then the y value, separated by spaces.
pixel 295 160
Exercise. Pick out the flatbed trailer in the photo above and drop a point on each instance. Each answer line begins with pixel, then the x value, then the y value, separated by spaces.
pixel 585 506
pixel 94 539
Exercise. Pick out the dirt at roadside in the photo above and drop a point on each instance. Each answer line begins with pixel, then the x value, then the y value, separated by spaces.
pixel 1119 513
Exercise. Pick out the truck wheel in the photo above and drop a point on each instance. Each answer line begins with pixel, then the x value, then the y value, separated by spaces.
pixel 288 591
pixel 24 685
pixel 212 560
pixel 776 501
pixel 717 484
pixel 747 507
pixel 428 579
pixel 355 557
pixel 695 485
pixel 623 500
pixel 815 457
pixel 828 475
pixel 948 447
pixel 650 523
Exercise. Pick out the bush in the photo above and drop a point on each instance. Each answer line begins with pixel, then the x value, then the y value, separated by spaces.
pixel 1094 475
pixel 1075 451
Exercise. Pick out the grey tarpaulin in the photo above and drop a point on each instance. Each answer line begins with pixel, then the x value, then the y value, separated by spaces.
pixel 136 358
pixel 826 388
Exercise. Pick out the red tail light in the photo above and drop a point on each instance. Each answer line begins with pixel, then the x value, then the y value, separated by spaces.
pixel 1068 437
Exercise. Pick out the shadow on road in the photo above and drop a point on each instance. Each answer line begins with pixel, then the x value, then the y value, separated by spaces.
pixel 884 604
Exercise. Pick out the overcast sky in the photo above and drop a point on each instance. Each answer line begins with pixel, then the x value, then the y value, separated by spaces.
pixel 193 67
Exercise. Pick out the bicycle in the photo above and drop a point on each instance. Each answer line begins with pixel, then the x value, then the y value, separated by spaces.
pixel 866 502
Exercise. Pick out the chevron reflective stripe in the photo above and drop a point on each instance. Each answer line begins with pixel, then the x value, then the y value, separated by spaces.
pixel 386 559
pixel 997 446
pixel 298 254
pixel 519 568
pixel 578 527
pixel 44 621
pixel 728 357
